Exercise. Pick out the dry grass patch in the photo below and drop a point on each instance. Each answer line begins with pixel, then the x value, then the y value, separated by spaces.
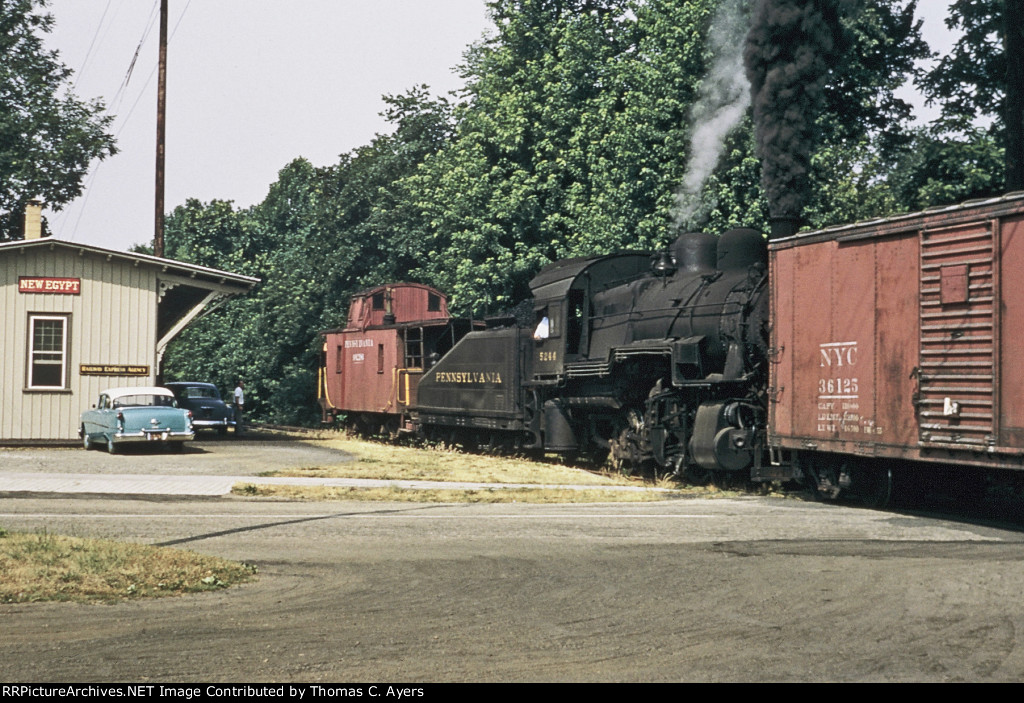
pixel 390 462
pixel 446 495
pixel 44 567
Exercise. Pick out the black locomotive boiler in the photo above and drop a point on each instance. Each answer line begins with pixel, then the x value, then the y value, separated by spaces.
pixel 659 361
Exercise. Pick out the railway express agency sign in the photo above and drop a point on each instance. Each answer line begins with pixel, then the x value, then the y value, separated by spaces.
pixel 113 370
pixel 45 284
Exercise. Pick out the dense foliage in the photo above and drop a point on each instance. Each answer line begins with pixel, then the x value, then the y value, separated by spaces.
pixel 573 136
pixel 48 137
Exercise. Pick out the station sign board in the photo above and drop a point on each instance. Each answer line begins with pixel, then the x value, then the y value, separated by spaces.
pixel 48 284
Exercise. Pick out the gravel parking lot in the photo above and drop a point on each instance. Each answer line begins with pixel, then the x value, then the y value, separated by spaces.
pixel 208 455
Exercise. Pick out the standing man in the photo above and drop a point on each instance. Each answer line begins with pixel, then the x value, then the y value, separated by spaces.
pixel 239 407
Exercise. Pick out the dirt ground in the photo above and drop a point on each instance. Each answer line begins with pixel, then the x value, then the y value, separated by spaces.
pixel 741 589
pixel 208 454
pixel 751 589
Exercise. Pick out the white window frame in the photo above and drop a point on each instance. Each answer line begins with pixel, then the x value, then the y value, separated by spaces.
pixel 33 353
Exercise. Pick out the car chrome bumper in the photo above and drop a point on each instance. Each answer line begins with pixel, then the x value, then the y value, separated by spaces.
pixel 153 436
pixel 212 424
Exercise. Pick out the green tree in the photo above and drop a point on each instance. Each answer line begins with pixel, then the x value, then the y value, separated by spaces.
pixel 320 234
pixel 48 137
pixel 980 83
pixel 574 109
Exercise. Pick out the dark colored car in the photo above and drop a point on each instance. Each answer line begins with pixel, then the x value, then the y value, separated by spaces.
pixel 209 412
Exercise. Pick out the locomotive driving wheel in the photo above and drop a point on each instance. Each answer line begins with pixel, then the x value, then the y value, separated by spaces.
pixel 631 448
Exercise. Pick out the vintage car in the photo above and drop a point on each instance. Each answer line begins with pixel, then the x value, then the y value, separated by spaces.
pixel 138 414
pixel 209 412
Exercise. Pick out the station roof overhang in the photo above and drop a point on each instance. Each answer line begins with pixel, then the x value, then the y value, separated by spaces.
pixel 185 291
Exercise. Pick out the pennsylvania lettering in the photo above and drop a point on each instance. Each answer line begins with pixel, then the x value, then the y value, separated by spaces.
pixel 468 377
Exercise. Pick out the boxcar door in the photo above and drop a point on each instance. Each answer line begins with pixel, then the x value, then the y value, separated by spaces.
pixel 956 375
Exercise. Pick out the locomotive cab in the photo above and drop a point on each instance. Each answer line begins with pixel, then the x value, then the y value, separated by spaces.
pixel 563 305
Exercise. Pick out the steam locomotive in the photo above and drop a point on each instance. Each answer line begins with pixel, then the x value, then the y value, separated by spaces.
pixel 875 351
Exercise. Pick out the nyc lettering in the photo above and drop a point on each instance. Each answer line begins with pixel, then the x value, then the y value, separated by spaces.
pixel 838 389
pixel 837 362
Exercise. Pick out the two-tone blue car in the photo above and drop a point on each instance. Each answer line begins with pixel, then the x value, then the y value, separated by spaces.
pixel 146 414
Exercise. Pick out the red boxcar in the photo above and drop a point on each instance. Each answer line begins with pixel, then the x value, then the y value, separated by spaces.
pixel 901 338
pixel 370 369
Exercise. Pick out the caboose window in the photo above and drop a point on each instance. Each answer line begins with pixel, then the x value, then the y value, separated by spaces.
pixel 339 359
pixel 378 301
pixel 433 302
pixel 380 358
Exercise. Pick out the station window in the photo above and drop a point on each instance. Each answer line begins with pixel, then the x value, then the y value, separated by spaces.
pixel 48 352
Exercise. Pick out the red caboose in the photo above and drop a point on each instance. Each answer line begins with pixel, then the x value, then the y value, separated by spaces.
pixel 370 369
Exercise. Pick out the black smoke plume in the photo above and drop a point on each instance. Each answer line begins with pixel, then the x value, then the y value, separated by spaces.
pixel 789 50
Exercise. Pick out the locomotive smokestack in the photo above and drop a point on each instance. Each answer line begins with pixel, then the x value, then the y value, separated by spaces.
pixel 788 52
pixel 782 227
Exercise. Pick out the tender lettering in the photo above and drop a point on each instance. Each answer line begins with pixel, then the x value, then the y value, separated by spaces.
pixel 468 377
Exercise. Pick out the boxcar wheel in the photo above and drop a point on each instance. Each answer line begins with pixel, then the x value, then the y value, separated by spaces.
pixel 822 475
pixel 875 486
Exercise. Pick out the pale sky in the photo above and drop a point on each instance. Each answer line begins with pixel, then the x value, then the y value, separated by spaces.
pixel 252 85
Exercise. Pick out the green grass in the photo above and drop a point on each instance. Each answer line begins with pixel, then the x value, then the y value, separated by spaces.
pixel 40 566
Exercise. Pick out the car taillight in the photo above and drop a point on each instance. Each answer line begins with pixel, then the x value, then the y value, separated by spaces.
pixel 120 419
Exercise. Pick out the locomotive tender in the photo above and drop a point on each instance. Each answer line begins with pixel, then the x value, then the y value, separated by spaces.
pixel 874 350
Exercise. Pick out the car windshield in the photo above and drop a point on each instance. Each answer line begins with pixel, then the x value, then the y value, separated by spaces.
pixel 144 400
pixel 198 392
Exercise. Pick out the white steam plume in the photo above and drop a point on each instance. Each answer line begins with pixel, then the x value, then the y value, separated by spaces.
pixel 722 100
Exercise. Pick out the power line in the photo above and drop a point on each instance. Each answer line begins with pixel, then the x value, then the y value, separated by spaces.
pixel 88 53
pixel 117 98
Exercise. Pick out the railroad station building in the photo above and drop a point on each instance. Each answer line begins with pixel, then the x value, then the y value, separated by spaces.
pixel 80 318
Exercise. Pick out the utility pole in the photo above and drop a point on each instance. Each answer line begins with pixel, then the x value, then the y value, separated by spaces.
pixel 161 112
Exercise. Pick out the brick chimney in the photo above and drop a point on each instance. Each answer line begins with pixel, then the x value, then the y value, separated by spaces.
pixel 33 220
